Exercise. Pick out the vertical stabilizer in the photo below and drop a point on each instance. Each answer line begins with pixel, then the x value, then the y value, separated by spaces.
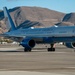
pixel 9 22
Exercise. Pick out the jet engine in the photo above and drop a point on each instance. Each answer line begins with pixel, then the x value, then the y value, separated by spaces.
pixel 28 43
pixel 70 45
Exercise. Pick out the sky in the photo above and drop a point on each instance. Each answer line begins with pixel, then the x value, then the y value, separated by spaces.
pixel 65 6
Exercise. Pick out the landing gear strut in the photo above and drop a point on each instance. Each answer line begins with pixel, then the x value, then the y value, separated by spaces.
pixel 52 48
pixel 27 49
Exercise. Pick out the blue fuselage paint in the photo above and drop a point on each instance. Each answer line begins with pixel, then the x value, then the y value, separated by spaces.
pixel 52 34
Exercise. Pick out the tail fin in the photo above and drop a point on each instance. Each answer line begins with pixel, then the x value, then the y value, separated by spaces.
pixel 10 24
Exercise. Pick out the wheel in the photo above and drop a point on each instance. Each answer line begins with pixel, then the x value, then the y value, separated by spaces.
pixel 27 49
pixel 30 50
pixel 51 49
pixel 48 49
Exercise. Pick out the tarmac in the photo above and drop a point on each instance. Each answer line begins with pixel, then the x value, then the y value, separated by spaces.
pixel 13 61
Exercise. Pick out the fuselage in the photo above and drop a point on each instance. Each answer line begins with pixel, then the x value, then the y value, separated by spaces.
pixel 47 35
pixel 64 31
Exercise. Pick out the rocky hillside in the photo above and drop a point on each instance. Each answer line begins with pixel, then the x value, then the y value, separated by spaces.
pixel 40 17
pixel 69 19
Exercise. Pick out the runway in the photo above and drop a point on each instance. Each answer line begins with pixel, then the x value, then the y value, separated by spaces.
pixel 40 62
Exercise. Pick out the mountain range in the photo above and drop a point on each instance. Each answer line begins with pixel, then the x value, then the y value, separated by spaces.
pixel 37 16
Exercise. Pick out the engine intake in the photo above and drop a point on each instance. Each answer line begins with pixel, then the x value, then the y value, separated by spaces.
pixel 31 43
pixel 70 45
pixel 28 43
pixel 73 45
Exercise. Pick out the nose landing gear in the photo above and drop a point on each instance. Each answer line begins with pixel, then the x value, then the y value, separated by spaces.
pixel 52 48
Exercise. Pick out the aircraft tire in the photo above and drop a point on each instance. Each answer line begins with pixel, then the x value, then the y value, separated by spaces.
pixel 51 49
pixel 27 50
